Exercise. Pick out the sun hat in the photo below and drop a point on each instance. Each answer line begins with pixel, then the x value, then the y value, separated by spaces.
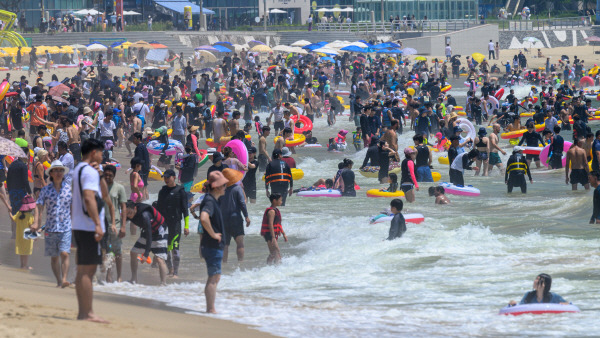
pixel 57 164
pixel 216 179
pixel 285 151
pixel 28 203
pixel 232 175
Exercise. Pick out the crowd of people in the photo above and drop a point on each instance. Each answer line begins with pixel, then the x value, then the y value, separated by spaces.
pixel 73 137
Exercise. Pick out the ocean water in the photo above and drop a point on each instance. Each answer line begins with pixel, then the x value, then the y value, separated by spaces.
pixel 447 276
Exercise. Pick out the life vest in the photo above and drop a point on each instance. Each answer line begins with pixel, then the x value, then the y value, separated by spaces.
pixel 279 176
pixel 157 219
pixel 518 165
pixel 277 228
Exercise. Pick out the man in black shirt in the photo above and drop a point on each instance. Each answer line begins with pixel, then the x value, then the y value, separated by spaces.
pixel 16 116
pixel 173 205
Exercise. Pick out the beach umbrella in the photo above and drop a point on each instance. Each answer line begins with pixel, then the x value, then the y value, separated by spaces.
pixel 123 45
pixel 141 44
pixel 355 49
pixel 78 46
pixel 359 44
pixel 327 51
pixel 315 45
pixel 298 50
pixel 207 48
pixel 592 38
pixel 116 44
pixel 389 51
pixel 327 59
pixel 253 43
pixel 409 51
pixel 53 84
pixel 282 48
pixel 478 57
pixel 157 45
pixel 59 99
pixel 532 40
pixel 223 43
pixel 261 49
pixel 223 49
pixel 149 67
pixel 386 45
pixel 96 47
pixel 10 148
pixel 208 56
pixel 59 89
pixel 421 58
pixel 301 43
pixel 204 70
pixel 134 66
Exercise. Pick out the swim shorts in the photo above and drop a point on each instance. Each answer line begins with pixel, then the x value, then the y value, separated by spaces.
pixel 234 227
pixel 531 157
pixel 406 187
pixel 483 155
pixel 495 159
pixel 579 176
pixel 88 250
pixel 213 258
pixel 159 243
pixel 57 242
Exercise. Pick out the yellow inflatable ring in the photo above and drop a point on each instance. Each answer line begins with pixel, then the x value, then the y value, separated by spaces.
pixel 443 160
pixel 298 140
pixel 197 187
pixel 379 193
pixel 297 174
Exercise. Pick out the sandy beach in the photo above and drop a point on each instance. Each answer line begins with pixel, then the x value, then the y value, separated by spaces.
pixel 30 305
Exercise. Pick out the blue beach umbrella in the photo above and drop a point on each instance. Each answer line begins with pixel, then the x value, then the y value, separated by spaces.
pixel 327 58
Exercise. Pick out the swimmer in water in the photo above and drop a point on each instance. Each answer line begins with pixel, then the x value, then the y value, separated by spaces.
pixel 440 195
pixel 398 226
pixel 541 293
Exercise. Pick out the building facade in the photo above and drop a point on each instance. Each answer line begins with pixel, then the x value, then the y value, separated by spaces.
pixel 421 9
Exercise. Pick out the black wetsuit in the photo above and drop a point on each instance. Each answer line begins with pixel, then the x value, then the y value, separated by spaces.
pixel 516 167
pixel 398 227
pixel 556 149
pixel 348 177
pixel 532 139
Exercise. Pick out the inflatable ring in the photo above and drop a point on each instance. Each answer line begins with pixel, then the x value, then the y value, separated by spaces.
pixel 467 126
pixel 409 218
pixel 593 71
pixel 197 187
pixel 225 139
pixel 320 193
pixel 428 146
pixel 298 140
pixel 4 87
pixel 307 124
pixel 155 175
pixel 373 172
pixel 538 308
pixel 586 80
pixel 495 103
pixel 544 154
pixel 169 132
pixel 498 95
pixel 155 147
pixel 168 103
pixel 297 174
pixel 436 176
pixel 239 149
pixel 379 193
pixel 447 88
pixel 202 157
pixel 444 160
pixel 468 190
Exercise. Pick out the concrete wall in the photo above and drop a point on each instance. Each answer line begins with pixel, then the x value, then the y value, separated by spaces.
pixel 464 42
pixel 193 39
pixel 548 38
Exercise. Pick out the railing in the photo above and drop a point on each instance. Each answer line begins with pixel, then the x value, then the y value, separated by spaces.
pixel 544 24
pixel 399 26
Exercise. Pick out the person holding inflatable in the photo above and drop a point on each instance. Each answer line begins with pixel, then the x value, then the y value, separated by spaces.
pixel 461 163
pixel 541 293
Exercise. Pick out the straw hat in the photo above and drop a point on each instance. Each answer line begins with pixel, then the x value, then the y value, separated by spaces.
pixel 57 164
pixel 216 179
pixel 453 115
pixel 233 176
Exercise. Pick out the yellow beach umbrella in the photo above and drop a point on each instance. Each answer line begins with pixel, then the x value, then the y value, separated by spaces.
pixel 478 57
pixel 261 49
pixel 421 58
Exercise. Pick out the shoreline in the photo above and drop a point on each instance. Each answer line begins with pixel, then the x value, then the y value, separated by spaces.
pixel 30 304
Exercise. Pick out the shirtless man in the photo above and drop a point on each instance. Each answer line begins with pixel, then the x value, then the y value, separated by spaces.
pixel 292 109
pixel 494 159
pixel 482 143
pixel 280 143
pixel 234 124
pixel 219 127
pixel 74 143
pixel 391 137
pixel 577 162
pixel 263 155
pixel 136 127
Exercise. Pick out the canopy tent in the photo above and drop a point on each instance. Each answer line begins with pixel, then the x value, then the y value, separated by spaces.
pixel 86 12
pixel 277 11
pixel 177 6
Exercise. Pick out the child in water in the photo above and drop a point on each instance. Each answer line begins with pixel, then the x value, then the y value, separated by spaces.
pixel 357 139
pixel 440 195
pixel 271 228
pixel 393 178
pixel 398 227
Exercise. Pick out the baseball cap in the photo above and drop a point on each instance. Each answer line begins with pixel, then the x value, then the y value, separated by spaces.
pixel 169 173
